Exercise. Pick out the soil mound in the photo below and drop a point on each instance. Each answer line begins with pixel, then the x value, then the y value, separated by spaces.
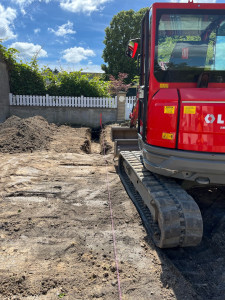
pixel 21 135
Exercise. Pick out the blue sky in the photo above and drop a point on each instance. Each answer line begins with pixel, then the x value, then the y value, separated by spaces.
pixel 66 34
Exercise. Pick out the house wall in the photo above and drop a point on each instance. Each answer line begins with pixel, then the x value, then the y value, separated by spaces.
pixel 4 92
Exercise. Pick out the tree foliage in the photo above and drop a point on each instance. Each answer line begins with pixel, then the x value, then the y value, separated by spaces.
pixel 24 79
pixel 117 85
pixel 76 84
pixel 124 26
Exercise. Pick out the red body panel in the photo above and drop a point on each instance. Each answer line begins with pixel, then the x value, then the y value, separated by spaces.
pixel 162 118
pixel 202 120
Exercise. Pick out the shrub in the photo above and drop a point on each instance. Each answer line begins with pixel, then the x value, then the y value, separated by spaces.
pixel 76 84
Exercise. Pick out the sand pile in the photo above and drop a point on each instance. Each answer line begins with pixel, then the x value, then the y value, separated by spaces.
pixel 21 135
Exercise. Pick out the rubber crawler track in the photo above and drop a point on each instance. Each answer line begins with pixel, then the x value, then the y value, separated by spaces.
pixel 177 221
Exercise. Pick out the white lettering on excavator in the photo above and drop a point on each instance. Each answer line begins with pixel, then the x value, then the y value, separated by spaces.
pixel 219 120
pixel 210 118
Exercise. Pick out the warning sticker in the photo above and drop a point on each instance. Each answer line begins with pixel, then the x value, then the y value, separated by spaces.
pixel 167 136
pixel 169 109
pixel 190 110
pixel 164 85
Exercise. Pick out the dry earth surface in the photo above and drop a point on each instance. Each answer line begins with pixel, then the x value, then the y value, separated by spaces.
pixel 56 238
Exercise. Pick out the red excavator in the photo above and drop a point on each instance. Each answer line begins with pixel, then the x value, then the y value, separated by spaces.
pixel 180 117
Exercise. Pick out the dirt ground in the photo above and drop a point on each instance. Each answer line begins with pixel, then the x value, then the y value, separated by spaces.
pixel 56 237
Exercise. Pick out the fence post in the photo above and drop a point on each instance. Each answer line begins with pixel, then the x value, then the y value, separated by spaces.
pixel 47 99
pixel 121 106
pixel 10 99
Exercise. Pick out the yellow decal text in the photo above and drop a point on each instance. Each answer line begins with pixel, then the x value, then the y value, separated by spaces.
pixel 164 85
pixel 167 136
pixel 191 110
pixel 169 109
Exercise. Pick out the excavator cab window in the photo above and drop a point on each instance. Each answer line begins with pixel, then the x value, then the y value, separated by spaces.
pixel 145 46
pixel 189 43
pixel 219 47
pixel 144 73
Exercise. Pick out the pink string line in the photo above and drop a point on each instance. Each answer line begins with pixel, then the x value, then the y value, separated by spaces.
pixel 112 220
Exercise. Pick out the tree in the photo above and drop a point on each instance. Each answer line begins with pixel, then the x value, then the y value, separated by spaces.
pixel 117 85
pixel 124 26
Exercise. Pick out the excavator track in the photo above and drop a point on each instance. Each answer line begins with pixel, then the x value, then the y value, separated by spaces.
pixel 169 214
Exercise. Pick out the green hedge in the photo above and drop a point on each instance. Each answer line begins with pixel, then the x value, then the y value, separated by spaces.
pixel 76 84
pixel 28 79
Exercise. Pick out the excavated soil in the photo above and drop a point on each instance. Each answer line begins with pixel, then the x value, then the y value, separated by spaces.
pixel 58 200
pixel 21 135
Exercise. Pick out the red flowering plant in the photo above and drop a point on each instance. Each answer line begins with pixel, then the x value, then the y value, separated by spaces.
pixel 117 85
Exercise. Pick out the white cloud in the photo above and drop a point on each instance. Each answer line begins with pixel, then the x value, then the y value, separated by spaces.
pixel 24 3
pixel 37 30
pixel 29 49
pixel 7 16
pixel 64 29
pixel 195 1
pixel 75 6
pixel 77 54
pixel 28 2
pixel 84 6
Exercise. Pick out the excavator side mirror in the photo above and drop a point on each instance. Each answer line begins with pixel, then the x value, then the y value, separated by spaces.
pixel 131 49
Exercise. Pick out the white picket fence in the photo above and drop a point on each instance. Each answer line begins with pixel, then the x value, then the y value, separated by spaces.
pixel 52 101
pixel 30 100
